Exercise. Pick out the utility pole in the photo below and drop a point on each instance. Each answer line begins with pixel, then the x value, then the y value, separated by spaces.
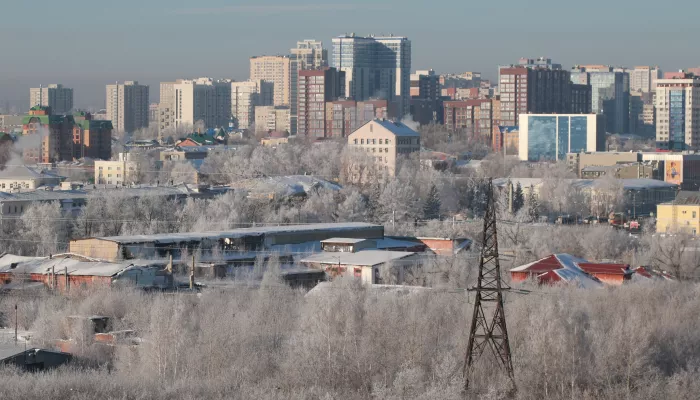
pixel 489 332
pixel 192 274
pixel 16 323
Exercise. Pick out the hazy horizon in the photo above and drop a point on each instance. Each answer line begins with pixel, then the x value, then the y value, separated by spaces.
pixel 161 41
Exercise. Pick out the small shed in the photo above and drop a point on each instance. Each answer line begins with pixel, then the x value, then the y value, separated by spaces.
pixel 31 359
pixel 364 265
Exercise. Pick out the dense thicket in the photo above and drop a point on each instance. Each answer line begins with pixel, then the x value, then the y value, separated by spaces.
pixel 349 342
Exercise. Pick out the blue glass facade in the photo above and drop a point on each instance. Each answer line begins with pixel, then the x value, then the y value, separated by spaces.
pixel 563 138
pixel 549 138
pixel 676 119
pixel 542 138
pixel 578 134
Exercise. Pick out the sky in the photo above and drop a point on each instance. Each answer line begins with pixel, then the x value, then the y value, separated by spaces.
pixel 87 44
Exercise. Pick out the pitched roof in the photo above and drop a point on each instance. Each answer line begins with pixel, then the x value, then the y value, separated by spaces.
pixel 608 269
pixel 25 172
pixel 361 258
pixel 395 127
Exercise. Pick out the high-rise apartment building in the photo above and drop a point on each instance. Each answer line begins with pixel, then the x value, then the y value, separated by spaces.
pixel 345 116
pixel 275 69
pixel 316 87
pixel 470 117
pixel 91 138
pixel 540 63
pixel 153 114
pixel 202 99
pixel 678 113
pixel 642 115
pixel 55 96
pixel 609 94
pixel 56 133
pixel 245 96
pixel 375 67
pixel 127 106
pixel 309 54
pixel 643 79
pixel 426 101
pixel 166 108
pixel 425 84
pixel 527 90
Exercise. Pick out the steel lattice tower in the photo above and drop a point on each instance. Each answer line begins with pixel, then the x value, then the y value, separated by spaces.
pixel 489 331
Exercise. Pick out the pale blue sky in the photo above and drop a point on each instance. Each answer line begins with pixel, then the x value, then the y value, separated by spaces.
pixel 87 44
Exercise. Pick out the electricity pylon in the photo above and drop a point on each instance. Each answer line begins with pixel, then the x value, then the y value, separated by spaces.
pixel 489 331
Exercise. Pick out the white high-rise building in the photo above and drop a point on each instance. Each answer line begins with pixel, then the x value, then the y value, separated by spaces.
pixel 643 79
pixel 245 96
pixel 275 69
pixel 57 97
pixel 309 54
pixel 375 67
pixel 166 108
pixel 201 99
pixel 678 113
pixel 127 106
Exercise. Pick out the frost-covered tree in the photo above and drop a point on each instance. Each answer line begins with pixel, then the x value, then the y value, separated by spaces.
pixel 353 208
pixel 44 230
pixel 533 205
pixel 518 198
pixel 431 205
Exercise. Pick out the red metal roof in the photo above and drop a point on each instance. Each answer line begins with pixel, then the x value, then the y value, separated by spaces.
pixel 546 264
pixel 549 277
pixel 609 269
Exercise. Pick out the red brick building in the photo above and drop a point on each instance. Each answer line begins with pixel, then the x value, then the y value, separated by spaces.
pixel 316 88
pixel 469 116
pixel 55 136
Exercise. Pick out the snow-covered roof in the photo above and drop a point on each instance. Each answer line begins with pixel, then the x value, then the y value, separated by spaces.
pixel 326 287
pixel 627 184
pixel 343 240
pixel 59 265
pixel 284 186
pixel 236 233
pixel 26 172
pixel 361 258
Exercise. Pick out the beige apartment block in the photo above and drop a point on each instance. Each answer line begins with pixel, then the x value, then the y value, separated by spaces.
pixel 247 95
pixel 272 119
pixel 57 97
pixel 120 172
pixel 127 106
pixel 275 69
pixel 384 142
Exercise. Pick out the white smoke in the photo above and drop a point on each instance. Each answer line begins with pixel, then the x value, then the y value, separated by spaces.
pixel 409 122
pixel 24 142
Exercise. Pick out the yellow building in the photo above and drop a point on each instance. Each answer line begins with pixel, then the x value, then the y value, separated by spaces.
pixel 682 215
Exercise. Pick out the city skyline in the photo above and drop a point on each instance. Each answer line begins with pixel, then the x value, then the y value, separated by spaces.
pixel 86 62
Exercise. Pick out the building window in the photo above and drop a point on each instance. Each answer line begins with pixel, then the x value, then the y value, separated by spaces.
pixel 694 214
pixel 355 141
pixel 362 141
pixel 380 141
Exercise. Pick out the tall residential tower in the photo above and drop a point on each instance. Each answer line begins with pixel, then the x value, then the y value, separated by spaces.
pixel 127 106
pixel 678 113
pixel 375 67
pixel 308 55
pixel 55 96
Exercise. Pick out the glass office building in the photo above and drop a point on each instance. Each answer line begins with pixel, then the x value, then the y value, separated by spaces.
pixel 550 137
